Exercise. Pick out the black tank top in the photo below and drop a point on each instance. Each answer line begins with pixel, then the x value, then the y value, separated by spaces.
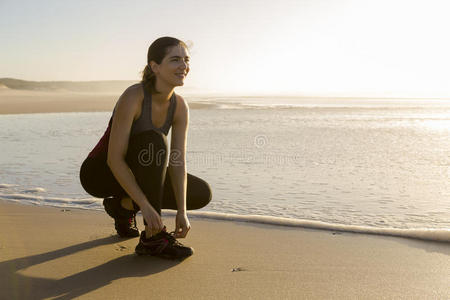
pixel 143 123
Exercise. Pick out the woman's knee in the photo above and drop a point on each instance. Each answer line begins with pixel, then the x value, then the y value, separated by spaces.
pixel 199 192
pixel 88 177
pixel 97 179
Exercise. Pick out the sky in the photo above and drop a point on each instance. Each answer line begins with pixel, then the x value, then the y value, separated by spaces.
pixel 303 47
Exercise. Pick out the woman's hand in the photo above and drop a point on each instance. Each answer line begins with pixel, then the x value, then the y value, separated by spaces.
pixel 181 223
pixel 154 222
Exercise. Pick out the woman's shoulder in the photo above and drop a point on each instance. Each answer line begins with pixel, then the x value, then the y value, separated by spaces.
pixel 134 92
pixel 181 110
pixel 181 103
pixel 131 98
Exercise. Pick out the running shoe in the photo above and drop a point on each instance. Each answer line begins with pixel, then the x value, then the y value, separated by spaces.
pixel 124 219
pixel 163 244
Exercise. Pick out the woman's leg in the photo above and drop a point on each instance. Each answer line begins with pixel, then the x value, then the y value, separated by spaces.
pixel 198 193
pixel 97 179
pixel 147 158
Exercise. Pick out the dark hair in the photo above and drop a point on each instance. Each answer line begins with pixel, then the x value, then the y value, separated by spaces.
pixel 156 52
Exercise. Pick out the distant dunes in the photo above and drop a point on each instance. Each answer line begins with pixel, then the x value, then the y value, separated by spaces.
pixel 115 87
pixel 110 86
pixel 21 96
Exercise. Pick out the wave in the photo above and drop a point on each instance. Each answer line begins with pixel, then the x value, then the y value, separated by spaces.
pixel 83 203
pixel 222 105
pixel 426 234
pixel 318 103
pixel 436 235
pixel 7 185
pixel 35 190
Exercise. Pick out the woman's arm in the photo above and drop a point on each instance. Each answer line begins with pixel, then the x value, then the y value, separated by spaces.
pixel 177 164
pixel 126 109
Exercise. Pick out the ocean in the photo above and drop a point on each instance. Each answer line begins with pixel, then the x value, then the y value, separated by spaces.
pixel 360 165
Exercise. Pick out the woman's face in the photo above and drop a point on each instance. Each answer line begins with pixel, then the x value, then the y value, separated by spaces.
pixel 174 66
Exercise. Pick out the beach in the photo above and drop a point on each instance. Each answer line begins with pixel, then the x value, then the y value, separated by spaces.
pixel 28 101
pixel 57 243
pixel 318 134
pixel 49 252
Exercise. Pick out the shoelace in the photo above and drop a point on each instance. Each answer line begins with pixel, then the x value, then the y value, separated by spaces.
pixel 159 245
pixel 156 246
pixel 173 240
pixel 132 222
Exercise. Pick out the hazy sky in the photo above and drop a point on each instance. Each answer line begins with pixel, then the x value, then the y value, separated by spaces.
pixel 340 47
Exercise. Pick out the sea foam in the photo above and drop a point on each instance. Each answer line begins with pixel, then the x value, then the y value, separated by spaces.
pixel 437 235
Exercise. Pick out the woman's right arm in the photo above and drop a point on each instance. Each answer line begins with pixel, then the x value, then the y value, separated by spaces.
pixel 126 109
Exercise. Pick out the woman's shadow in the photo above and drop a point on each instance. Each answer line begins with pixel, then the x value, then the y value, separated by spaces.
pixel 17 286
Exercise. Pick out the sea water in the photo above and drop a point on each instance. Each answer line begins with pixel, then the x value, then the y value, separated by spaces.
pixel 361 166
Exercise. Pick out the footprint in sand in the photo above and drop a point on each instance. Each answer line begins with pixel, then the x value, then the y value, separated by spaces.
pixel 238 269
pixel 121 248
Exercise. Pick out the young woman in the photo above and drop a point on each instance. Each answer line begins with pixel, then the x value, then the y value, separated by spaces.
pixel 128 166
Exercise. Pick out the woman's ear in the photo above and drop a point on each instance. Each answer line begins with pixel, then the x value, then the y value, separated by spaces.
pixel 154 66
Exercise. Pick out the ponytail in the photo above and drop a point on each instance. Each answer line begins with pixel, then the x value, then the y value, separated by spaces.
pixel 149 80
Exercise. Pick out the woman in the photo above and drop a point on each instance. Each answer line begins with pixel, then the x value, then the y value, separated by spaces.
pixel 128 165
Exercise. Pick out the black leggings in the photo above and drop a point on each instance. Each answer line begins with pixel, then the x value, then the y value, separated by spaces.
pixel 147 158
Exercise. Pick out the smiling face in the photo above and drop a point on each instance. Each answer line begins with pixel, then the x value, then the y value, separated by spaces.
pixel 174 67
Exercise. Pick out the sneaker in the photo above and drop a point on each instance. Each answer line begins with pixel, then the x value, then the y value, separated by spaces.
pixel 164 245
pixel 124 219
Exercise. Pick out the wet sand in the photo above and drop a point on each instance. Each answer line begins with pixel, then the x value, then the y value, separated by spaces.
pixel 48 252
pixel 25 102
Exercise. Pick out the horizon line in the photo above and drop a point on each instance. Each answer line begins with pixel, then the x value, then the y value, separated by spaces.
pixel 248 93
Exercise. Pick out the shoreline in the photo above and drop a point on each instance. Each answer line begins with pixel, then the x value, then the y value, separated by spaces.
pixel 432 235
pixel 52 252
pixel 28 102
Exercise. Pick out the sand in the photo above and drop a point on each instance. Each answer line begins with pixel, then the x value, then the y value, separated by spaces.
pixel 48 252
pixel 24 102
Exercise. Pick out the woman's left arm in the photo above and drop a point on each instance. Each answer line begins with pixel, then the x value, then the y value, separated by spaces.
pixel 177 165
